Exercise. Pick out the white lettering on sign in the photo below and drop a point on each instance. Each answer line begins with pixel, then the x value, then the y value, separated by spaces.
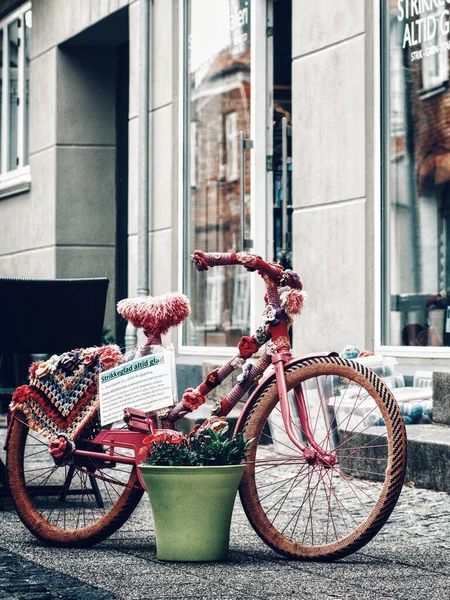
pixel 238 17
pixel 432 20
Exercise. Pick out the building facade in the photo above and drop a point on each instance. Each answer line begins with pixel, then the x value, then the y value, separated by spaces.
pixel 316 135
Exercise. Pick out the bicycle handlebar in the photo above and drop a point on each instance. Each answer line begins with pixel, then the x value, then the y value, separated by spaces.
pixel 252 262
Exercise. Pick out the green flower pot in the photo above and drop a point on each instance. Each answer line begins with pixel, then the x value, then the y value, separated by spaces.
pixel 192 508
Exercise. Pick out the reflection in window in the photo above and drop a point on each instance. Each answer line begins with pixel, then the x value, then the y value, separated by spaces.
pixel 435 58
pixel 232 146
pixel 26 117
pixel 217 109
pixel 13 85
pixel 416 203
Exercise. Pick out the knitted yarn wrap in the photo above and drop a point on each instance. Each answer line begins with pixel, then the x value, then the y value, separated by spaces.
pixel 155 314
pixel 61 398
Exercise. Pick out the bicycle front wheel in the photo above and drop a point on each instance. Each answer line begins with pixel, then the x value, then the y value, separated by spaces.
pixel 313 511
pixel 75 505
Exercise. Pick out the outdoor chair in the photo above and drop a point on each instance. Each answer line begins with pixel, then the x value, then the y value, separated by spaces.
pixel 44 316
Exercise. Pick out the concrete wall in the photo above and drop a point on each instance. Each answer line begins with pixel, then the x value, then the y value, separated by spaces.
pixel 85 165
pixel 163 210
pixel 65 226
pixel 329 172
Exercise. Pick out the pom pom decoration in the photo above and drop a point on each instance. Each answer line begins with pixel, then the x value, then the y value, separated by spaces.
pixel 155 314
pixel 292 301
pixel 21 394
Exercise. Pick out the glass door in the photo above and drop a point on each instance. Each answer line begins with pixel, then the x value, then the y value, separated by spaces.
pixel 224 161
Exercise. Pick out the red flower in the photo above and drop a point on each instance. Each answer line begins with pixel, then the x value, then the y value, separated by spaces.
pixel 164 436
pixel 21 394
pixel 199 261
pixel 57 447
pixel 109 356
pixel 33 368
pixel 90 358
pixel 192 399
pixel 247 346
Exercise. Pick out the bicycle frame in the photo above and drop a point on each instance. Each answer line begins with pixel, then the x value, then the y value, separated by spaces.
pixel 140 424
pixel 134 440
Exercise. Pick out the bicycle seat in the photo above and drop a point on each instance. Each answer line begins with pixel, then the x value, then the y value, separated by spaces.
pixel 156 314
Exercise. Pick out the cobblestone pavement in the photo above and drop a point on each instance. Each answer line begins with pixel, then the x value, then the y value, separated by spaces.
pixel 409 559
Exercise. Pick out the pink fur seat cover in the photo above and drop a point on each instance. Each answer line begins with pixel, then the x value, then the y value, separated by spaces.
pixel 155 314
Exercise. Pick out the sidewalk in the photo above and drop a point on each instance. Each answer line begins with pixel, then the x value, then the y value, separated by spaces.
pixel 408 560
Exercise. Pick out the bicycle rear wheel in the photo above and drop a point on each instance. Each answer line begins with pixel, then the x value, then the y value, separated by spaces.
pixel 74 505
pixel 311 511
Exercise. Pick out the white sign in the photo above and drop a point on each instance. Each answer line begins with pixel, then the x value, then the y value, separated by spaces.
pixel 145 383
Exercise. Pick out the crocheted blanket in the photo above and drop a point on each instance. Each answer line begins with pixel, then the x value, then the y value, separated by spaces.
pixel 61 396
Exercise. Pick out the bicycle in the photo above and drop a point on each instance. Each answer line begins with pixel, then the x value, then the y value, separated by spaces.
pixel 325 468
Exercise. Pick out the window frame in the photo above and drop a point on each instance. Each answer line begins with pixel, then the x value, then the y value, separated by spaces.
pixel 381 157
pixel 17 180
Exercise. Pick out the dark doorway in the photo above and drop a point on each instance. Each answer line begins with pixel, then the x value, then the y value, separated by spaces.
pixel 282 133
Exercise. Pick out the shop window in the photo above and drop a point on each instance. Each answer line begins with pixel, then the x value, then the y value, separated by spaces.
pixel 416 175
pixel 216 111
pixel 15 31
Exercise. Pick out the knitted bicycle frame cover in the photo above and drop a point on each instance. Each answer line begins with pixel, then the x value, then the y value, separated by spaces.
pixel 61 397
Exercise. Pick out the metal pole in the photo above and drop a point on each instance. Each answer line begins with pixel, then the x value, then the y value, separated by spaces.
pixel 144 160
pixel 144 154
pixel 284 157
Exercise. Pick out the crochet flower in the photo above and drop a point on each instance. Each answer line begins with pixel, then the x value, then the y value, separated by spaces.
pixel 39 369
pixel 68 361
pixel 247 346
pixel 33 368
pixel 109 356
pixel 246 259
pixel 261 335
pixel 212 378
pixel 237 362
pixel 53 362
pixel 245 375
pixel 192 399
pixel 58 447
pixel 90 358
pixel 269 313
pixel 61 449
pixel 43 369
pixel 218 423
pixel 21 394
pixel 291 279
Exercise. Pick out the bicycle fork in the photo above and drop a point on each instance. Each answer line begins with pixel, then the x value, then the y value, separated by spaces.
pixel 315 452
